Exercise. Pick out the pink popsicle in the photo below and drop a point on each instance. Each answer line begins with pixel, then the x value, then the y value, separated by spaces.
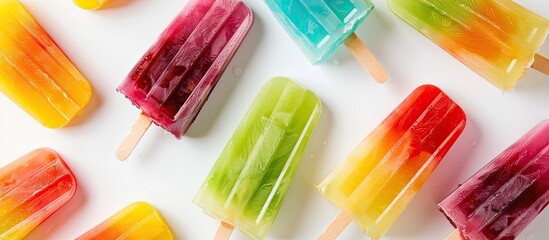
pixel 174 78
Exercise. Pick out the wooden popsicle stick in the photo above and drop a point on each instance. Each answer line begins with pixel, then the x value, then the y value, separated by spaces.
pixel 138 130
pixel 340 222
pixel 541 64
pixel 454 236
pixel 366 58
pixel 224 231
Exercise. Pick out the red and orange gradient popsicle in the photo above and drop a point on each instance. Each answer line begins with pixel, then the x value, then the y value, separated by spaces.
pixel 32 188
pixel 381 176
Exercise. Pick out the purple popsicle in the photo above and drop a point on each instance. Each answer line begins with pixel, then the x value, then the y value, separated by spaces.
pixel 500 200
pixel 174 78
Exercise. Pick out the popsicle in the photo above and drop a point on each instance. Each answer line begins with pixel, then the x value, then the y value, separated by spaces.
pixel 173 80
pixel 498 39
pixel 137 221
pixel 32 188
pixel 90 4
pixel 500 200
pixel 249 181
pixel 382 175
pixel 319 26
pixel 34 71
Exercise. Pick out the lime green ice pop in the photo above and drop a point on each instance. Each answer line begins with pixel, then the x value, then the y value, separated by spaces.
pixel 247 184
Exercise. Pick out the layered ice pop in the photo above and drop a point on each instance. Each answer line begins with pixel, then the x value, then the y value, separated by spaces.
pixel 137 221
pixel 320 26
pixel 498 39
pixel 34 71
pixel 90 4
pixel 382 175
pixel 32 188
pixel 247 184
pixel 500 200
pixel 173 80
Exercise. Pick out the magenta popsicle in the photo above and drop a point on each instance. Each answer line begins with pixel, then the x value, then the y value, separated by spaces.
pixel 173 80
pixel 500 200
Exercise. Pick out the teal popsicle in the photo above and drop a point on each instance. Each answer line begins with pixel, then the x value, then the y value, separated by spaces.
pixel 320 26
pixel 247 184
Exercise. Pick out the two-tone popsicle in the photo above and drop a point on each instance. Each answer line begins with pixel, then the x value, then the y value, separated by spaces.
pixel 34 71
pixel 380 177
pixel 498 39
pixel 32 188
pixel 137 221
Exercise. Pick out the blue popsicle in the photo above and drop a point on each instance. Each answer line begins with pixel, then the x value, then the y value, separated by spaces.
pixel 320 26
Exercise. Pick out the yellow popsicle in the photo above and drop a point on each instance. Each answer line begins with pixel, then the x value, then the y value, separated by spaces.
pixel 34 71
pixel 91 4
pixel 137 221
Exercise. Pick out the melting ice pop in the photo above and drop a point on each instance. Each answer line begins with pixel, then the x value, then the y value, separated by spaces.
pixel 500 200
pixel 90 4
pixel 247 184
pixel 382 175
pixel 32 188
pixel 172 81
pixel 35 73
pixel 320 26
pixel 137 221
pixel 496 39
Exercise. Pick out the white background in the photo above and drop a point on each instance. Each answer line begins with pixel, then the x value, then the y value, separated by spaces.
pixel 167 173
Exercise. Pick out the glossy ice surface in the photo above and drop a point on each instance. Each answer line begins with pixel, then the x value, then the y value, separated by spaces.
pixel 35 73
pixel 320 26
pixel 500 200
pixel 138 221
pixel 248 182
pixel 382 175
pixel 175 77
pixel 31 189
pixel 90 4
pixel 496 39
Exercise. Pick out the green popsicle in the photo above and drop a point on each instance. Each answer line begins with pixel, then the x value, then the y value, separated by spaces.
pixel 247 184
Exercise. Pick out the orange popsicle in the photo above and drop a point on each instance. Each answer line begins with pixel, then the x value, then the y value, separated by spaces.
pixel 34 71
pixel 137 221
